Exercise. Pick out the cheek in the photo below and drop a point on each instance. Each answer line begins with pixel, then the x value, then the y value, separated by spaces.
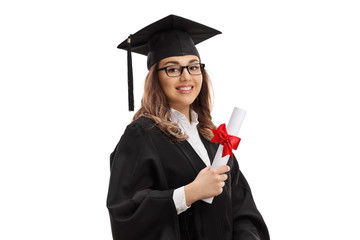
pixel 165 86
pixel 199 83
pixel 162 82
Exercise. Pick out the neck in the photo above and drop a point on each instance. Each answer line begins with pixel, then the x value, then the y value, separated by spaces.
pixel 184 110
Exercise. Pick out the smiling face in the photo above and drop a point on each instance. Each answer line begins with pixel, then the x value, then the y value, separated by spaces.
pixel 180 91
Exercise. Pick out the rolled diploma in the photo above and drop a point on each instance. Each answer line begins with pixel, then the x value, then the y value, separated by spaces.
pixel 233 128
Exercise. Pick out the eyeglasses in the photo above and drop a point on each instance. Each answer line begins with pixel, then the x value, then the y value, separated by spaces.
pixel 177 70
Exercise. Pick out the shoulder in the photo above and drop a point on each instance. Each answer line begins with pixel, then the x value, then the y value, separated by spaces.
pixel 143 123
pixel 134 139
pixel 141 126
pixel 144 126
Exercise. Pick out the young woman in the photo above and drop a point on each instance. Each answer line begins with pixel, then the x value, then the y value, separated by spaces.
pixel 160 169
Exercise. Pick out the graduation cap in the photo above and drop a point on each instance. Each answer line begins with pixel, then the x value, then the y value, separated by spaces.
pixel 170 36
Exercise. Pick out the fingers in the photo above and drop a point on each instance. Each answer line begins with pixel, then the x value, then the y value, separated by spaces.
pixel 223 177
pixel 206 169
pixel 220 191
pixel 220 188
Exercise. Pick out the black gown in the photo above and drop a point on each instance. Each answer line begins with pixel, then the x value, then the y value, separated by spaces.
pixel 146 167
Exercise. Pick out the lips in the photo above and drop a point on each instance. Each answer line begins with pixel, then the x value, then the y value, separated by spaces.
pixel 185 88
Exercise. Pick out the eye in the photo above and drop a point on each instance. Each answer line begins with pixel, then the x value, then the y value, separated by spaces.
pixel 194 67
pixel 172 69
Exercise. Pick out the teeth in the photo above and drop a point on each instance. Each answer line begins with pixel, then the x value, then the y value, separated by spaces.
pixel 185 88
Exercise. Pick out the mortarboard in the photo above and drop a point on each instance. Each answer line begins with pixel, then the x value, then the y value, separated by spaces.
pixel 169 36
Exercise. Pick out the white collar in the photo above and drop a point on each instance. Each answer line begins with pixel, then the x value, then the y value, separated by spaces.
pixel 180 118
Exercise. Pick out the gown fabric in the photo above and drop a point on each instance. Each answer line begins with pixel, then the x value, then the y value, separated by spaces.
pixel 146 167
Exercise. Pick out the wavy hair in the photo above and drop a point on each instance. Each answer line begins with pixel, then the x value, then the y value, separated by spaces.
pixel 155 106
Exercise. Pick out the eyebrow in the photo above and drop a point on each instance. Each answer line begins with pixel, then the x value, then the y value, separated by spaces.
pixel 177 63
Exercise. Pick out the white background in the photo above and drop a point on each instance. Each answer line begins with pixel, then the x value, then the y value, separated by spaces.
pixel 293 65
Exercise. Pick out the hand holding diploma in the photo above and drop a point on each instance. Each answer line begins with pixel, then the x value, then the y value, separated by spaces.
pixel 228 140
pixel 208 183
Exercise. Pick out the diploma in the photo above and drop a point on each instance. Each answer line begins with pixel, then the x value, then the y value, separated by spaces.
pixel 233 128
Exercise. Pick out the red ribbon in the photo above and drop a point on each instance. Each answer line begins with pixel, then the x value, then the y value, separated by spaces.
pixel 228 141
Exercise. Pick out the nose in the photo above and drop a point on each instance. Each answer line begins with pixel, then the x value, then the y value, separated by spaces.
pixel 185 76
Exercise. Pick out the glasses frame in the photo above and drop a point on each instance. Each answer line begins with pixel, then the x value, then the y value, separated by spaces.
pixel 202 66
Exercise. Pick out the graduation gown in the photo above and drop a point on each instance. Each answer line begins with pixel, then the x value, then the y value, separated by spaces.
pixel 146 167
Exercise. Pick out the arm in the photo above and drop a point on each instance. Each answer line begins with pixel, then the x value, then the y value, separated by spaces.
pixel 139 203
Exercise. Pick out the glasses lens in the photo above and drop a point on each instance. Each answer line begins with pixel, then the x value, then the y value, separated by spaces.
pixel 195 69
pixel 173 71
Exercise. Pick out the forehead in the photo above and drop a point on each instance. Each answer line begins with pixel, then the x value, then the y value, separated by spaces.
pixel 181 60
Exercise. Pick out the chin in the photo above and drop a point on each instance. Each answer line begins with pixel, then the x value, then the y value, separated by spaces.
pixel 188 102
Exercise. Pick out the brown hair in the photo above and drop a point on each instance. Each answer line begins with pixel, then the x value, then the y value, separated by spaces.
pixel 155 106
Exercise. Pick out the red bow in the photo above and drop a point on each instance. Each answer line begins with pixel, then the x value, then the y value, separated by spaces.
pixel 228 141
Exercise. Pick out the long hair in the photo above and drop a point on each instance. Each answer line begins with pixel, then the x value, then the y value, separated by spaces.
pixel 155 106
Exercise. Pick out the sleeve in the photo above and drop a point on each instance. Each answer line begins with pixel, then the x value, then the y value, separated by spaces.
pixel 180 200
pixel 139 203
pixel 248 223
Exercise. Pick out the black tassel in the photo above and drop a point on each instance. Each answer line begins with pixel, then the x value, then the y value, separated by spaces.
pixel 130 76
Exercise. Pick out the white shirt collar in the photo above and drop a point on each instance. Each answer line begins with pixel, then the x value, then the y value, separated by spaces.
pixel 181 120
